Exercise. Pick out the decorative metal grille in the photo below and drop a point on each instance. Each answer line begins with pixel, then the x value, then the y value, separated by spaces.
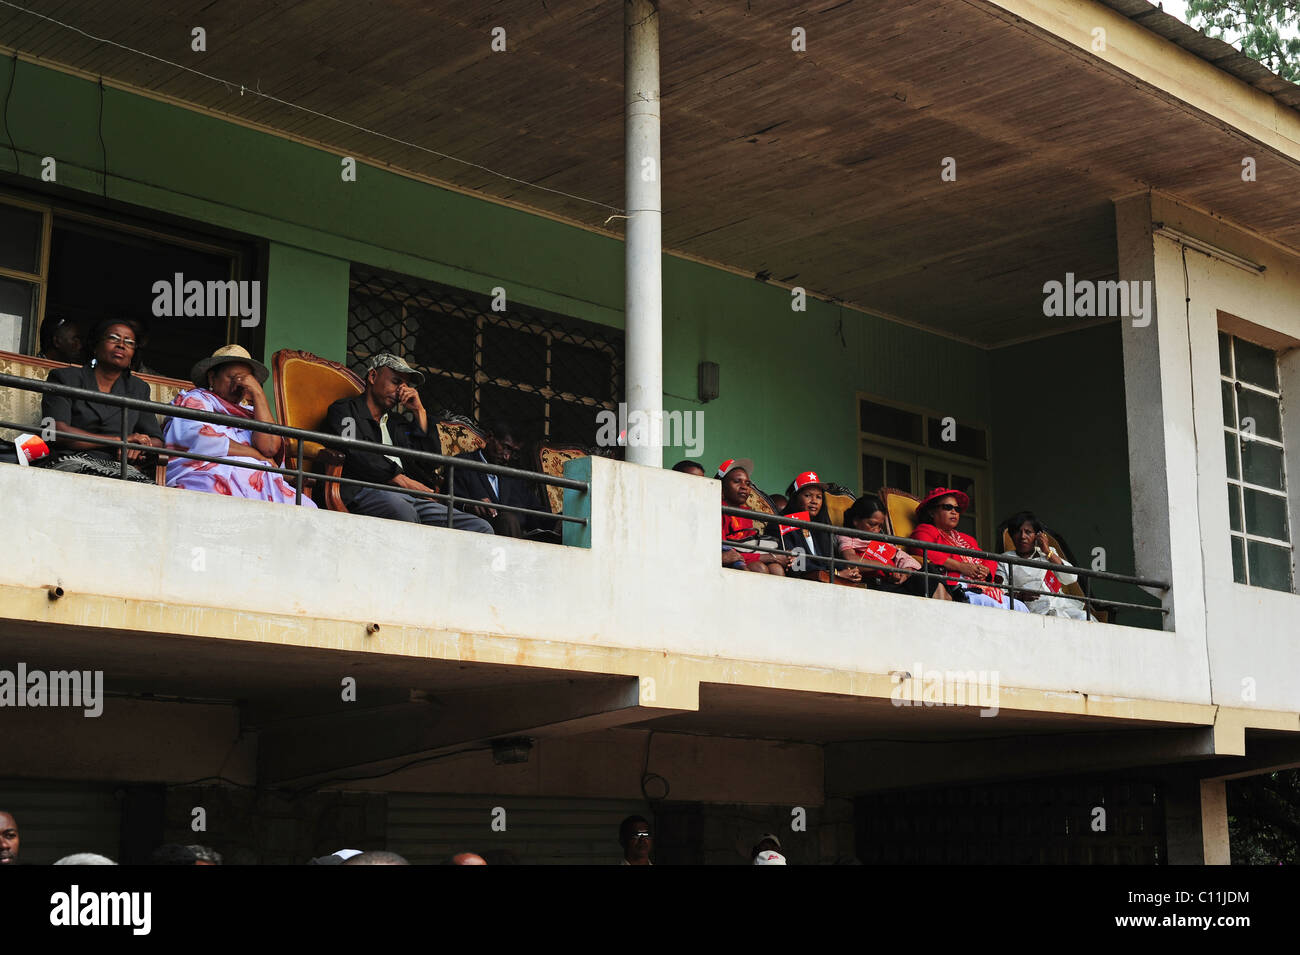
pixel 546 374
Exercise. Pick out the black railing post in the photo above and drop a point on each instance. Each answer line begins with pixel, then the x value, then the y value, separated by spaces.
pixel 451 491
pixel 122 449
pixel 297 495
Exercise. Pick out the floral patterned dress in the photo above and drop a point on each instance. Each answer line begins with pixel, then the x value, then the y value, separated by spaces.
pixel 186 434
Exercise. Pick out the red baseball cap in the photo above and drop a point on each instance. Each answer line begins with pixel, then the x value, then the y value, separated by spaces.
pixel 807 479
pixel 731 464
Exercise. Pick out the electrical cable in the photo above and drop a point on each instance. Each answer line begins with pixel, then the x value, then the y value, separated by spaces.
pixel 256 91
pixel 13 76
pixel 646 775
pixel 396 769
pixel 103 150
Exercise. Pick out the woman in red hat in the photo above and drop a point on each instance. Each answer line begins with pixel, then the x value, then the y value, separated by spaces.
pixel 806 500
pixel 969 578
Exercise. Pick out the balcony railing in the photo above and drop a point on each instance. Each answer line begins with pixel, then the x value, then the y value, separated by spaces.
pixel 931 573
pixel 299 474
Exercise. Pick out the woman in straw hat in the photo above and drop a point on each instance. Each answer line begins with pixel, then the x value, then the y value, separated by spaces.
pixel 229 382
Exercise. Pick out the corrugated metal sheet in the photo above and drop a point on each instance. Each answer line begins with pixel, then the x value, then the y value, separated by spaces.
pixel 428 828
pixel 1226 57
pixel 57 819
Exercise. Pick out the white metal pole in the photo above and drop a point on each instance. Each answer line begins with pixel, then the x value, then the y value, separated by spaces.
pixel 643 306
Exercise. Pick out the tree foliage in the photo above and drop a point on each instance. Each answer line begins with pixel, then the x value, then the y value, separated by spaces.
pixel 1255 27
pixel 1264 818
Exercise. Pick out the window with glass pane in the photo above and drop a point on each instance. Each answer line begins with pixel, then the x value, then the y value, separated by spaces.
pixel 17 299
pixel 20 238
pixel 1258 520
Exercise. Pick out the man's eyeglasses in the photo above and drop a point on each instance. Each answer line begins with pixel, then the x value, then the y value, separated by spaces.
pixel 119 340
pixel 640 835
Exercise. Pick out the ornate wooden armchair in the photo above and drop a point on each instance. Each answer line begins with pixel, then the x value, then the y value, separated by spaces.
pixel 457 434
pixel 305 386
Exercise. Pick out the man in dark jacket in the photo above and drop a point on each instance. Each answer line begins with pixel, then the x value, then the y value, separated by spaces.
pixel 370 417
pixel 502 448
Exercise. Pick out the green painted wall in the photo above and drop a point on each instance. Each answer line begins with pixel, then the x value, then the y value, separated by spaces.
pixel 1068 465
pixel 306 302
pixel 789 380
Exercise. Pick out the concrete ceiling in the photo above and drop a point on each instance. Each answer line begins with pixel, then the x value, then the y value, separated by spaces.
pixel 819 169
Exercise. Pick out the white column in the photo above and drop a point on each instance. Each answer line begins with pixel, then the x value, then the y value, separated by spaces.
pixel 643 293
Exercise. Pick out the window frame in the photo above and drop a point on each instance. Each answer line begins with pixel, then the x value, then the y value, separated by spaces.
pixel 1237 386
pixel 31 330
pixel 980 469
pixel 242 264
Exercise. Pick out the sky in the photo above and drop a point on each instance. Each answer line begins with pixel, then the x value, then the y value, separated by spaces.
pixel 1178 8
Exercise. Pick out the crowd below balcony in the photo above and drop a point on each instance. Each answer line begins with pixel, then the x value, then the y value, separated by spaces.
pixel 230 381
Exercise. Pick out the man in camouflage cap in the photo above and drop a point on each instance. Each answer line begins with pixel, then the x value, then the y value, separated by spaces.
pixel 370 416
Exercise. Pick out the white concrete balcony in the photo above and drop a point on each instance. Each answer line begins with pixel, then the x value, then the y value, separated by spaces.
pixel 647 598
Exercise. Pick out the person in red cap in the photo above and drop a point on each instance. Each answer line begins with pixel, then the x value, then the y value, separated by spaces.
pixel 734 475
pixel 807 501
pixel 970 579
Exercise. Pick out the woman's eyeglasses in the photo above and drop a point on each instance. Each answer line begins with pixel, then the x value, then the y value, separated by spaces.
pixel 119 340
pixel 948 507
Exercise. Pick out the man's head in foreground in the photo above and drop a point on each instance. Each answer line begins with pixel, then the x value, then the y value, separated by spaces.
pixel 634 837
pixel 8 838
pixel 377 858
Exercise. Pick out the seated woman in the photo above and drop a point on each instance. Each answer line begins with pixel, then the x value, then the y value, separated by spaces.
pixel 111 349
pixel 806 495
pixel 233 386
pixel 970 579
pixel 1029 541
pixel 881 564
pixel 734 475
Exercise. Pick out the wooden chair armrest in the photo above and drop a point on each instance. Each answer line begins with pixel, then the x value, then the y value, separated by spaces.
pixel 330 464
pixel 327 458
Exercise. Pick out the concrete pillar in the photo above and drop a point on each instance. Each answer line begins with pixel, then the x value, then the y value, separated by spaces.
pixel 1214 822
pixel 1196 821
pixel 643 249
pixel 1159 403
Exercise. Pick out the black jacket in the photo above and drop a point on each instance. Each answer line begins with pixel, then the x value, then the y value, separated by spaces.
pixel 97 418
pixel 371 465
pixel 512 491
pixel 822 541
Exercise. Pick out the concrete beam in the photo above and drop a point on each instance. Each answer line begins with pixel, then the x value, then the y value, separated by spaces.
pixel 856 768
pixel 1262 756
pixel 377 738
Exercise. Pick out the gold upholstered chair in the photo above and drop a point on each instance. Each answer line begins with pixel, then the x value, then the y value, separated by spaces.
pixel 305 387
pixel 838 500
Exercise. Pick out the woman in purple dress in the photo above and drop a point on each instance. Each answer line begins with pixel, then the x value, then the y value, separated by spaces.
pixel 233 382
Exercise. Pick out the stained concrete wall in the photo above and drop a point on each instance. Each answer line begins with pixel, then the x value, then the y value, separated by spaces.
pixel 1178 463
pixel 650 581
